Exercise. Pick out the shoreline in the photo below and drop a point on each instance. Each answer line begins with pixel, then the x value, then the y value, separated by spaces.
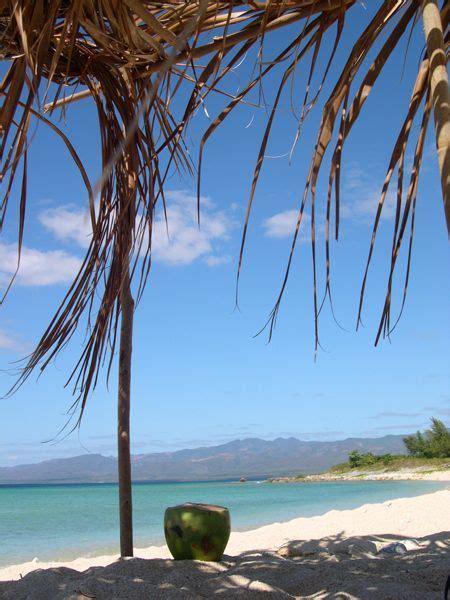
pixel 403 517
pixel 406 474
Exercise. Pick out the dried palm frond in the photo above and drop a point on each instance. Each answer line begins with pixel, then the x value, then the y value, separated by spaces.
pixel 133 58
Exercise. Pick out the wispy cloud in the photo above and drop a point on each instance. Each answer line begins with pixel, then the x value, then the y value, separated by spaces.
pixel 214 261
pixel 395 415
pixel 183 241
pixel 68 223
pixel 329 435
pixel 37 268
pixel 399 428
pixel 360 195
pixel 439 410
pixel 180 241
pixel 10 343
pixel 282 225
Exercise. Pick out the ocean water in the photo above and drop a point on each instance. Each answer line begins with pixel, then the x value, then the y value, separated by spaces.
pixel 60 522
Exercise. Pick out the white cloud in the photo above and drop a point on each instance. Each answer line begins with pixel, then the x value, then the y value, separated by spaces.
pixel 179 242
pixel 67 223
pixel 282 225
pixel 182 241
pixel 37 268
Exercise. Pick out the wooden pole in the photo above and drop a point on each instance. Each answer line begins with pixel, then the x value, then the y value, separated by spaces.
pixel 123 423
pixel 440 95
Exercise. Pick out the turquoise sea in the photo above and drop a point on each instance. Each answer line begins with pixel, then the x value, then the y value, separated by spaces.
pixel 55 522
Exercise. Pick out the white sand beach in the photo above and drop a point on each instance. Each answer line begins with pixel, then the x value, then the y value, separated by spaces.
pixel 251 565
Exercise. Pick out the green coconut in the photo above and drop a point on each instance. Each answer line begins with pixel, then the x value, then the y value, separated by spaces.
pixel 197 531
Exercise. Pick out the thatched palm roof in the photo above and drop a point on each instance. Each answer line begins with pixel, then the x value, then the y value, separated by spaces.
pixel 129 57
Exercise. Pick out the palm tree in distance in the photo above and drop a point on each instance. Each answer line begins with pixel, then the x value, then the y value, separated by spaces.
pixel 132 59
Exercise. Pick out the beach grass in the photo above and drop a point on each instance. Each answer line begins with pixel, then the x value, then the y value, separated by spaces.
pixel 397 463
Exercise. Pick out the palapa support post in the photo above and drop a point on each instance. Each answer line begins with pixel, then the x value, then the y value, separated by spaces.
pixel 128 197
pixel 123 418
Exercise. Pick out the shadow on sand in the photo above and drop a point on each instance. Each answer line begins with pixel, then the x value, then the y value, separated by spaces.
pixel 418 575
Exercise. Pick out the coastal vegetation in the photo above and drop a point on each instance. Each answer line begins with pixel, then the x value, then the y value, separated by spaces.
pixel 434 443
pixel 428 452
pixel 393 464
pixel 429 448
pixel 356 459
pixel 384 467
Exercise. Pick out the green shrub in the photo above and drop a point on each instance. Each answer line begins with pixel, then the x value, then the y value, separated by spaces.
pixel 356 459
pixel 434 443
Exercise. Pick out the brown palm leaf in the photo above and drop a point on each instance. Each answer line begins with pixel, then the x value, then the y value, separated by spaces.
pixel 132 59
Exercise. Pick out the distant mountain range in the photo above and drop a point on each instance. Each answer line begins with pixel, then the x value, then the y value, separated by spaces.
pixel 249 458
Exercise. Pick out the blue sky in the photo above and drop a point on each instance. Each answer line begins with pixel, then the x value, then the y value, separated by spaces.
pixel 200 376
